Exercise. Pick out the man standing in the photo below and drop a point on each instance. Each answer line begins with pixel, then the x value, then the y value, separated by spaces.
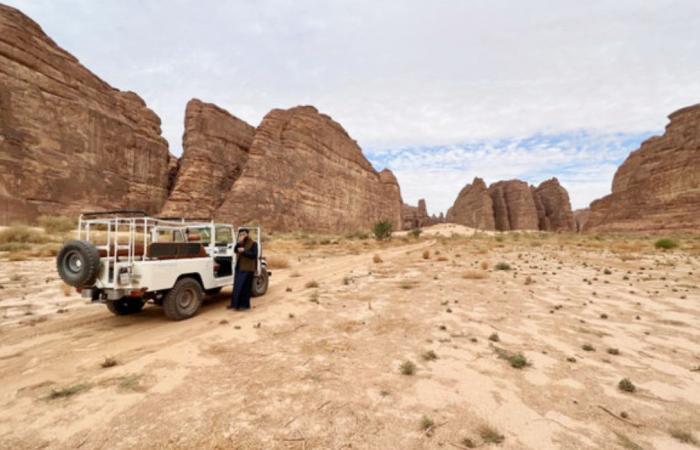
pixel 246 265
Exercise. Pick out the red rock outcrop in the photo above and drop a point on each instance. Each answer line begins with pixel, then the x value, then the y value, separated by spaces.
pixel 553 207
pixel 581 217
pixel 304 172
pixel 215 150
pixel 68 140
pixel 658 186
pixel 513 206
pixel 415 216
pixel 473 207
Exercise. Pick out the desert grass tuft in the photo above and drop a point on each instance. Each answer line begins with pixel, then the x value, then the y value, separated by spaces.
pixel 516 360
pixel 68 391
pixel 502 266
pixel 626 385
pixel 666 244
pixel 311 284
pixel 377 259
pixel 426 423
pixel 429 355
pixel 407 367
pixel 426 254
pixel 490 435
pixel 684 436
pixel 474 275
pixel 109 362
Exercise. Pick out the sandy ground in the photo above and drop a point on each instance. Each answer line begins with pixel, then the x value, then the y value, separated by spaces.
pixel 319 367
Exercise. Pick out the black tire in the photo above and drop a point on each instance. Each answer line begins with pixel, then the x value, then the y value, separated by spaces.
pixel 213 291
pixel 183 300
pixel 125 306
pixel 260 284
pixel 78 263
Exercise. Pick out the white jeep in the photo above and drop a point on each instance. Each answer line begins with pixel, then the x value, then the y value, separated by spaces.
pixel 125 258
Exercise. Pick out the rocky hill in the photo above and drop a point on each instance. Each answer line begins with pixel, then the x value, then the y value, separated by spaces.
pixel 658 185
pixel 513 205
pixel 215 151
pixel 68 140
pixel 305 172
pixel 417 216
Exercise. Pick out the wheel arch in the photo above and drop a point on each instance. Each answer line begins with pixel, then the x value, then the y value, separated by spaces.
pixel 194 275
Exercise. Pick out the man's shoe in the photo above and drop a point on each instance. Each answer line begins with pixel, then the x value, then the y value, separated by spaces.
pixel 230 307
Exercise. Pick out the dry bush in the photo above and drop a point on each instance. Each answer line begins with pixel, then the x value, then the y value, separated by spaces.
pixel 377 259
pixel 442 258
pixel 426 254
pixel 311 284
pixel 277 262
pixel 57 224
pixel 22 234
pixel 484 265
pixel 474 275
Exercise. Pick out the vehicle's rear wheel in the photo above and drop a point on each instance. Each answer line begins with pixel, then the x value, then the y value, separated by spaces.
pixel 78 263
pixel 124 306
pixel 260 284
pixel 213 291
pixel 183 300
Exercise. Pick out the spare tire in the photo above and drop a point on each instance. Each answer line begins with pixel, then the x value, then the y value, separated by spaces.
pixel 78 263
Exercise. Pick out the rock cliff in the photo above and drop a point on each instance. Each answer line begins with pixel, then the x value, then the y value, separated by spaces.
pixel 473 207
pixel 215 151
pixel 658 186
pixel 553 207
pixel 304 172
pixel 513 205
pixel 68 140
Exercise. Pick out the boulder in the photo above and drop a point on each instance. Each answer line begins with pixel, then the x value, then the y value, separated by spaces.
pixel 68 140
pixel 553 207
pixel 304 172
pixel 473 207
pixel 215 150
pixel 658 186
pixel 513 206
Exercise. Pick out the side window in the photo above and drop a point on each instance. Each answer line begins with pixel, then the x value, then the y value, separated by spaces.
pixel 223 236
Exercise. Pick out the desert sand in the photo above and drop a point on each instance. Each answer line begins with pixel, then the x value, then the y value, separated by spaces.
pixel 321 367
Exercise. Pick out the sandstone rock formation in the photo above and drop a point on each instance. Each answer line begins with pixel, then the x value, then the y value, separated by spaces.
pixel 658 185
pixel 553 207
pixel 513 205
pixel 68 140
pixel 304 172
pixel 414 216
pixel 473 207
pixel 581 217
pixel 215 150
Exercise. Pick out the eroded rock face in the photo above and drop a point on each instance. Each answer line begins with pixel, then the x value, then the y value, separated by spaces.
pixel 215 150
pixel 473 207
pixel 513 206
pixel 415 216
pixel 304 172
pixel 658 185
pixel 581 217
pixel 553 207
pixel 68 140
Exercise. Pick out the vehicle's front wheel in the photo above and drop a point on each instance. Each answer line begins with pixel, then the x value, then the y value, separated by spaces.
pixel 125 306
pixel 260 284
pixel 183 300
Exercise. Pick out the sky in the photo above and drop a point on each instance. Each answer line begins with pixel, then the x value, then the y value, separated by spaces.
pixel 438 91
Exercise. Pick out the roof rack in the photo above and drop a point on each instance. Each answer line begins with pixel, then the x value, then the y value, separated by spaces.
pixel 129 212
pixel 186 219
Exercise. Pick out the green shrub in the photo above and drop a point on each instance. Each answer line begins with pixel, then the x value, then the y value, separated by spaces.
pixel 56 224
pixel 666 244
pixel 502 266
pixel 415 233
pixel 382 230
pixel 626 385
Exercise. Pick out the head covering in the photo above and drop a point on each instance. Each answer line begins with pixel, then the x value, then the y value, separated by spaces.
pixel 244 230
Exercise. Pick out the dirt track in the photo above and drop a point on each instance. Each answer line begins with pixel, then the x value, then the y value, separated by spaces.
pixel 296 373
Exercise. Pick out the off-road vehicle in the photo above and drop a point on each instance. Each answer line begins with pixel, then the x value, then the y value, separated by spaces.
pixel 126 258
